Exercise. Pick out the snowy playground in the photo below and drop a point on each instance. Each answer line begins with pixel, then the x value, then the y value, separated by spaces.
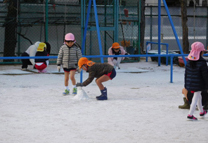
pixel 142 107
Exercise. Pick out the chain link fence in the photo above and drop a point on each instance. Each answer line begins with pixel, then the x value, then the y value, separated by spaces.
pixel 24 22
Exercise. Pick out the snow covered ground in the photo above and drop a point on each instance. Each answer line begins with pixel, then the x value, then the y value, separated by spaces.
pixel 142 108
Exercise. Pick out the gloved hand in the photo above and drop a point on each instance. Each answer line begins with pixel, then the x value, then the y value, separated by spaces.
pixel 58 68
pixel 78 70
pixel 79 84
pixel 128 58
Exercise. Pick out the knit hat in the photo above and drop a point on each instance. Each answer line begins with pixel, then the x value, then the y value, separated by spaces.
pixel 115 45
pixel 196 49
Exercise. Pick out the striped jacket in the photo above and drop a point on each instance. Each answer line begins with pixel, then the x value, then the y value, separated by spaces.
pixel 68 57
pixel 96 71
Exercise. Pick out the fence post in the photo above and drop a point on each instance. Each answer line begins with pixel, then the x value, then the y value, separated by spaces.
pixel 171 69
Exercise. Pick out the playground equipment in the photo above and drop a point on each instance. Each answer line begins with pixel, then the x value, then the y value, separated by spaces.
pixel 114 29
pixel 159 32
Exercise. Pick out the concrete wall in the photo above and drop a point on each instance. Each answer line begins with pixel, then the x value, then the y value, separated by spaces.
pixel 155 2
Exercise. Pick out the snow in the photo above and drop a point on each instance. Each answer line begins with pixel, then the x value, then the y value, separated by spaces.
pixel 81 94
pixel 142 107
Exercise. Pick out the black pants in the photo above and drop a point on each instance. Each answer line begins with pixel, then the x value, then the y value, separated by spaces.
pixel 204 95
pixel 25 62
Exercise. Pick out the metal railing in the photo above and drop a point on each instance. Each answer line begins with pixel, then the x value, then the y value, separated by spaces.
pixel 159 51
pixel 106 56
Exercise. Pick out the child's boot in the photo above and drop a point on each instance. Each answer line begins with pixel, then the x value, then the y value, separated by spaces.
pixel 103 95
pixel 186 104
pixel 66 92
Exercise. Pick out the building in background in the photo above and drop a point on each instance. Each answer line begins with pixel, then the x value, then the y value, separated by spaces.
pixel 123 2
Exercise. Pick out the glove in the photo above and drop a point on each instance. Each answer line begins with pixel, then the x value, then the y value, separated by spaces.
pixel 77 69
pixel 58 68
pixel 128 58
pixel 79 84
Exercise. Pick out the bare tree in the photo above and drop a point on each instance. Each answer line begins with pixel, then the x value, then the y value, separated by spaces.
pixel 10 29
pixel 142 25
pixel 184 26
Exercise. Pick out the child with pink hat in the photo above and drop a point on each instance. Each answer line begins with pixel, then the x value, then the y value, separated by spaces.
pixel 68 56
pixel 196 78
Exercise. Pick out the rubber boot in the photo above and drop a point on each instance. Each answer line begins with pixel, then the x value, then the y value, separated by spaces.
pixel 186 104
pixel 103 95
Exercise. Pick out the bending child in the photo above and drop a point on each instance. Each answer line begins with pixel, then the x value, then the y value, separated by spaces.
pixel 102 71
pixel 116 49
pixel 43 50
pixel 30 52
pixel 37 49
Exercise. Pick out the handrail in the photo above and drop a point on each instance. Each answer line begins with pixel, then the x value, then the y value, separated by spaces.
pixel 105 56
pixel 159 60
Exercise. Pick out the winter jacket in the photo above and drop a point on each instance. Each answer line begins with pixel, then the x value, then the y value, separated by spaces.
pixel 97 70
pixel 196 79
pixel 68 57
pixel 110 52
pixel 32 51
pixel 44 53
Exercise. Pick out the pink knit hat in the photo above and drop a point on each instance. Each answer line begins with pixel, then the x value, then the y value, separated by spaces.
pixel 69 37
pixel 196 49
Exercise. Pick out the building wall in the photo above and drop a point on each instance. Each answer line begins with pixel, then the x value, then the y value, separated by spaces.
pixel 155 2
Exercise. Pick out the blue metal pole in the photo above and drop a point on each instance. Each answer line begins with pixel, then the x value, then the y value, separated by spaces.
pixel 166 54
pixel 174 31
pixel 106 56
pixel 85 30
pixel 81 76
pixel 159 25
pixel 171 69
pixel 96 56
pixel 82 18
pixel 82 31
pixel 148 42
pixel 98 30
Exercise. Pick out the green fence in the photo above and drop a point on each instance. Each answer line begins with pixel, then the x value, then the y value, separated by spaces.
pixel 23 22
